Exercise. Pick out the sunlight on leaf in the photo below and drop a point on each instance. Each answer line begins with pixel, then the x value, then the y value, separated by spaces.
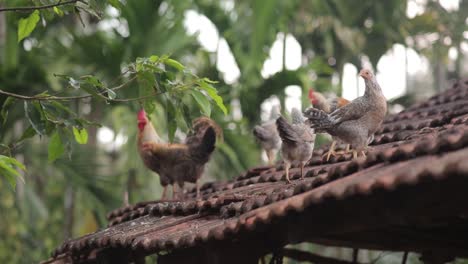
pixel 111 94
pixel 26 25
pixel 81 135
pixel 175 64
pixel 7 170
pixel 58 11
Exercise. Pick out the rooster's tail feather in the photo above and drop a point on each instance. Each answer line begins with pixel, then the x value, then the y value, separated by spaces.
pixel 202 123
pixel 202 151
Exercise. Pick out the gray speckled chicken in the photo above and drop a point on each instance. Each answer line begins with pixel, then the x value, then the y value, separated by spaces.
pixel 298 141
pixel 328 105
pixel 357 121
pixel 267 135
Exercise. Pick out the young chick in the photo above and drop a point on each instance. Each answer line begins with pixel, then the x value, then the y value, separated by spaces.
pixel 356 122
pixel 298 141
pixel 268 136
pixel 328 105
pixel 177 163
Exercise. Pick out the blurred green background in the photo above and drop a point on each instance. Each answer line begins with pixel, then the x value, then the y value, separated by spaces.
pixel 415 46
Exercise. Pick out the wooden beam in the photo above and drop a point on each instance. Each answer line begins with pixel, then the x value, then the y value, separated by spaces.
pixel 300 255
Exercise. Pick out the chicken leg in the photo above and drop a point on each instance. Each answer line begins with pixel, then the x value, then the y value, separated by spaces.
pixel 356 153
pixel 287 165
pixel 346 151
pixel 174 192
pixel 164 194
pixel 271 156
pixel 302 170
pixel 197 186
pixel 331 151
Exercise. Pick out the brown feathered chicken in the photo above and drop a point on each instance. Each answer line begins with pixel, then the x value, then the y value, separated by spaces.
pixel 298 141
pixel 267 135
pixel 177 163
pixel 328 105
pixel 356 122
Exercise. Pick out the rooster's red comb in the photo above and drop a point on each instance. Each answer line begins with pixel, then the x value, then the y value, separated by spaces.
pixel 142 114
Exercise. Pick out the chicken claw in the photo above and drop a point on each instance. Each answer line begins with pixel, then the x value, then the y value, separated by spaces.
pixel 330 152
pixel 355 154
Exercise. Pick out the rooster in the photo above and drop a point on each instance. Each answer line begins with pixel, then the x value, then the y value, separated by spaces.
pixel 177 163
pixel 356 122
pixel 328 105
pixel 267 135
pixel 298 141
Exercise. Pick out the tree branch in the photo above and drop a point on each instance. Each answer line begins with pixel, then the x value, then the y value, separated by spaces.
pixel 30 8
pixel 65 98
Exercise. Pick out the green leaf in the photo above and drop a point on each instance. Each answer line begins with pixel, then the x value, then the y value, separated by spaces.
pixel 116 4
pixel 207 80
pixel 175 64
pixel 81 135
pixel 58 11
pixel 26 25
pixel 60 106
pixel 202 101
pixel 180 119
pixel 35 117
pixel 29 132
pixel 56 147
pixel 111 94
pixel 171 115
pixel 146 80
pixel 91 90
pixel 15 162
pixel 91 84
pixel 4 113
pixel 8 171
pixel 154 58
pixel 92 80
pixel 10 177
pixel 213 93
pixel 149 106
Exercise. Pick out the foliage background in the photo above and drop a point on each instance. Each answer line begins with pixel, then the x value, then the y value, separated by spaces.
pixel 71 195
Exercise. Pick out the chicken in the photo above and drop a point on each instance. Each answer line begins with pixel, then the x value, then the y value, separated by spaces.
pixel 328 105
pixel 177 163
pixel 356 122
pixel 298 141
pixel 268 136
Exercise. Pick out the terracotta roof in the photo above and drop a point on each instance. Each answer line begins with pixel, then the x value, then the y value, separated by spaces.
pixel 408 194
